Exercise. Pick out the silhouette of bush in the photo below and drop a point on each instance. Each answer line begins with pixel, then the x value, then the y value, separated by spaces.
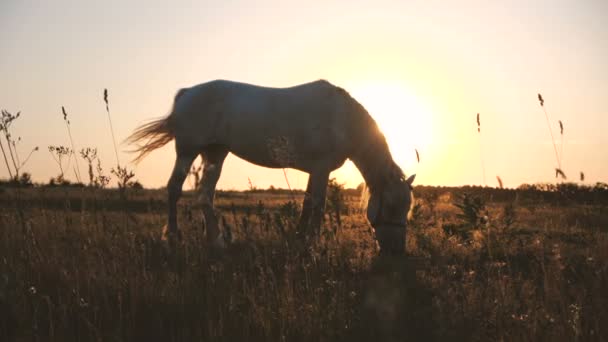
pixel 471 209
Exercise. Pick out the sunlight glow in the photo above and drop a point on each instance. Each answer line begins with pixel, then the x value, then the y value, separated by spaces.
pixel 405 120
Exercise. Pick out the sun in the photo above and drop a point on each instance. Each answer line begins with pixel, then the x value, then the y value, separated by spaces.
pixel 405 120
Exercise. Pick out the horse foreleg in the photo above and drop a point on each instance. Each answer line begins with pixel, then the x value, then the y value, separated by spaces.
pixel 318 191
pixel 174 189
pixel 306 207
pixel 213 159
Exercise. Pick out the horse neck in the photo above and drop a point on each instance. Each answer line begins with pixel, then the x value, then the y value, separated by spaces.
pixel 371 155
pixel 374 161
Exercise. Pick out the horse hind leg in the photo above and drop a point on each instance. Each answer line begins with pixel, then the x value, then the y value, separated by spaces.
pixel 183 162
pixel 213 159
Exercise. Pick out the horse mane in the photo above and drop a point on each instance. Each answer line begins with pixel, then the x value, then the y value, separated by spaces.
pixel 372 157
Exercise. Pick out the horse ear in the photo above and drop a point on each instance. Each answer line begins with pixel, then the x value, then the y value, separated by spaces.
pixel 410 180
pixel 373 207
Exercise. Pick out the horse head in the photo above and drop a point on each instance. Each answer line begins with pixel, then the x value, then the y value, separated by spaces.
pixel 387 211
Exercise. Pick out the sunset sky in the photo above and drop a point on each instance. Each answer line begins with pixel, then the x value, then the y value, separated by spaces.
pixel 423 69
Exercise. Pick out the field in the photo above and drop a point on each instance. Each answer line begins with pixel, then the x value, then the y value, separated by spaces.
pixel 84 264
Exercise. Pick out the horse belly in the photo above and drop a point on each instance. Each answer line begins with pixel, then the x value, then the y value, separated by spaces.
pixel 268 146
pixel 284 142
pixel 279 131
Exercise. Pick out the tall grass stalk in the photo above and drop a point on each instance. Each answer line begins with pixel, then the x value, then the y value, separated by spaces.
pixel 21 164
pixel 67 124
pixel 288 185
pixel 542 104
pixel 10 173
pixel 14 147
pixel 500 185
pixel 10 150
pixel 561 132
pixel 5 121
pixel 195 172
pixel 105 99
pixel 483 166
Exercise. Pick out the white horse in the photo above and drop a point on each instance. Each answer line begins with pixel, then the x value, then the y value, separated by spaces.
pixel 313 127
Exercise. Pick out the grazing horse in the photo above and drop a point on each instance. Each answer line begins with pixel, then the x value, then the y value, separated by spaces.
pixel 313 127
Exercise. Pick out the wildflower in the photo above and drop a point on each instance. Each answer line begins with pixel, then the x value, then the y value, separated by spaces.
pixel 485 220
pixel 331 282
pixel 521 317
pixel 32 290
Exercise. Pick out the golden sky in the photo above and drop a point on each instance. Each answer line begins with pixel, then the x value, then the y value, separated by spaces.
pixel 423 69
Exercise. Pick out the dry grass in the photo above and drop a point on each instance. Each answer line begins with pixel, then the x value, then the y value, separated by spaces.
pixel 75 266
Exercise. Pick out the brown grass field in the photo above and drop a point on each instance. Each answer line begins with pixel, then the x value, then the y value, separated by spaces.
pixel 82 264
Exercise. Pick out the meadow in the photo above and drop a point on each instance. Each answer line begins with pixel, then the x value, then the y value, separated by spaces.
pixel 482 264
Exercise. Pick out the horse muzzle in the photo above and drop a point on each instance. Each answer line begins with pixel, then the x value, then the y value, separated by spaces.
pixel 391 238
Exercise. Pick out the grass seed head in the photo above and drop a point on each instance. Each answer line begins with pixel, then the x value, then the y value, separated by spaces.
pixel 499 181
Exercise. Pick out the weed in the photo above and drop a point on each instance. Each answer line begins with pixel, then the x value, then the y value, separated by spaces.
pixel 335 199
pixel 123 176
pixel 509 214
pixel 59 153
pixel 101 180
pixel 471 210
pixel 89 154
pixel 195 172
pixel 6 120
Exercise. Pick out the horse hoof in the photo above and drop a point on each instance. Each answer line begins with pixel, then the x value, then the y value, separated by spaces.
pixel 170 236
pixel 219 242
pixel 217 248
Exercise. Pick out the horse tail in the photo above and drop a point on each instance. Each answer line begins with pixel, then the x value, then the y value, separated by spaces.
pixel 155 134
